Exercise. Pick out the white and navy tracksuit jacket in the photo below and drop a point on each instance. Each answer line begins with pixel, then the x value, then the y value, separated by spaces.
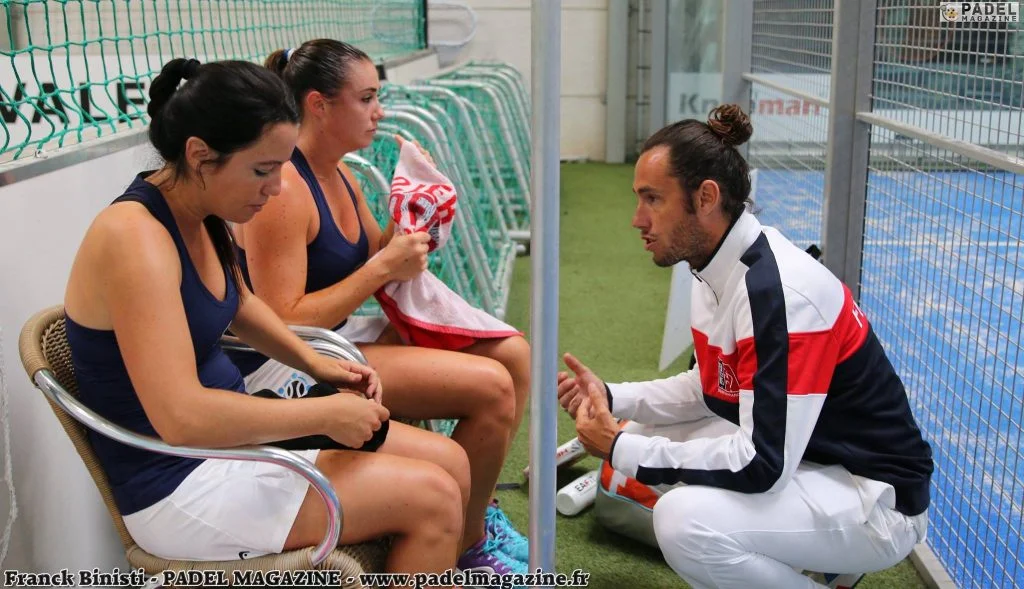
pixel 784 352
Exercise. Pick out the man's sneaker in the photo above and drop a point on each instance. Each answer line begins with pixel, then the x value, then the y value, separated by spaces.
pixel 848 581
pixel 509 540
pixel 485 556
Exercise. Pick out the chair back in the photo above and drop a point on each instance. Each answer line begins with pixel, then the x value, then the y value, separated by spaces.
pixel 44 346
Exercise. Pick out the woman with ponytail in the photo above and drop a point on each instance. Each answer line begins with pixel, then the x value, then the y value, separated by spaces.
pixel 317 254
pixel 154 286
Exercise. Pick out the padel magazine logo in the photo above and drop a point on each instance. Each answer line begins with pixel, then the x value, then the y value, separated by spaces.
pixel 980 11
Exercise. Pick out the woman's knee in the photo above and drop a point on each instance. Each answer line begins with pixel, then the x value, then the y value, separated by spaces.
pixel 455 461
pixel 435 497
pixel 499 393
pixel 416 496
pixel 518 353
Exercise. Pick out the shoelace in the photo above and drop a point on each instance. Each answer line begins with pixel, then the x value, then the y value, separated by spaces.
pixel 491 552
pixel 490 547
pixel 504 530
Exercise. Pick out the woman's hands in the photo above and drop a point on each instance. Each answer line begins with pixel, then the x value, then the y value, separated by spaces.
pixel 345 374
pixel 401 141
pixel 405 256
pixel 353 419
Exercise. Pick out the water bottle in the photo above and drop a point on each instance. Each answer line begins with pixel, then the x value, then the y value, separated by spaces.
pixel 577 495
pixel 567 454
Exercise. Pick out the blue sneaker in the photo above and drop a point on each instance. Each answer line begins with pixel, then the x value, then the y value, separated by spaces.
pixel 484 556
pixel 508 539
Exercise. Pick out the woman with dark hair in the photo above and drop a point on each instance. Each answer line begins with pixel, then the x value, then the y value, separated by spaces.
pixel 317 254
pixel 154 286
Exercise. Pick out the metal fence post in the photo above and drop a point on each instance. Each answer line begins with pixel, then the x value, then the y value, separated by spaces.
pixel 658 88
pixel 842 220
pixel 737 35
pixel 616 85
pixel 546 62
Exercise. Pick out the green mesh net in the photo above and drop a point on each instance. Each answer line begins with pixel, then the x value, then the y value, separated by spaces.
pixel 73 70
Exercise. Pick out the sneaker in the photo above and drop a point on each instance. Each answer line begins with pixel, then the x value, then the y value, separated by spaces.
pixel 848 581
pixel 509 540
pixel 484 556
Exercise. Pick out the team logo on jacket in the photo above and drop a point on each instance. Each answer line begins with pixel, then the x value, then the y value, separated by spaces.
pixel 727 381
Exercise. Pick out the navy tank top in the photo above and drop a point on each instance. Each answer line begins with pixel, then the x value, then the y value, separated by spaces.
pixel 139 478
pixel 330 257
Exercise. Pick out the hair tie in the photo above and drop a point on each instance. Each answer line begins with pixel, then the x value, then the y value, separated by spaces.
pixel 190 69
pixel 288 53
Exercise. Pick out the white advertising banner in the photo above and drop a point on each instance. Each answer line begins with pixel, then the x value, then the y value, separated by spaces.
pixel 43 95
pixel 775 115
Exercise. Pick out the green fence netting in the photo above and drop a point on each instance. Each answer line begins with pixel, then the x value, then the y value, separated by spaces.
pixel 73 70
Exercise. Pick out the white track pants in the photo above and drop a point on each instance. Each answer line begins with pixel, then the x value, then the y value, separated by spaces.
pixel 824 520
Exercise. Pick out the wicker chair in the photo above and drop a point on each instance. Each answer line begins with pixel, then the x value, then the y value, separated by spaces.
pixel 46 355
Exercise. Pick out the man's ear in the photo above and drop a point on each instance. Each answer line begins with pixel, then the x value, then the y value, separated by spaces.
pixel 707 197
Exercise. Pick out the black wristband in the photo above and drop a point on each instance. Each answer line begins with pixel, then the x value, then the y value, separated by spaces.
pixel 611 450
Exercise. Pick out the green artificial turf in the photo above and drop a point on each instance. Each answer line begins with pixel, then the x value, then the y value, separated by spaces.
pixel 612 302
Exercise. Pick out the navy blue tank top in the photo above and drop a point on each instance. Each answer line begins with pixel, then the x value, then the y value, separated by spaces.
pixel 139 478
pixel 330 257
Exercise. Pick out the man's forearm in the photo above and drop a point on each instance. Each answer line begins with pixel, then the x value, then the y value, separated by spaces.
pixel 658 402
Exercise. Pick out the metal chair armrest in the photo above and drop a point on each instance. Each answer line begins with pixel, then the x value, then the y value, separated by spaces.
pixel 322 340
pixel 47 383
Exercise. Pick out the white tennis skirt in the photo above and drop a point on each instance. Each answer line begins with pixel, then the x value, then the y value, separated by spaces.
pixel 223 510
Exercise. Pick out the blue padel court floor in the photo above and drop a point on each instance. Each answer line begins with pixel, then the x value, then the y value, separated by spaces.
pixel 942 282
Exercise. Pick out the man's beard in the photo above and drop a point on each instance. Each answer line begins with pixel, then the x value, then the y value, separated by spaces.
pixel 685 245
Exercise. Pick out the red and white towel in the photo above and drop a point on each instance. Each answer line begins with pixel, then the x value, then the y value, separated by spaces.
pixel 424 311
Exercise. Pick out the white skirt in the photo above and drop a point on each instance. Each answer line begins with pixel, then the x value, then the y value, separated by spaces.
pixel 223 510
